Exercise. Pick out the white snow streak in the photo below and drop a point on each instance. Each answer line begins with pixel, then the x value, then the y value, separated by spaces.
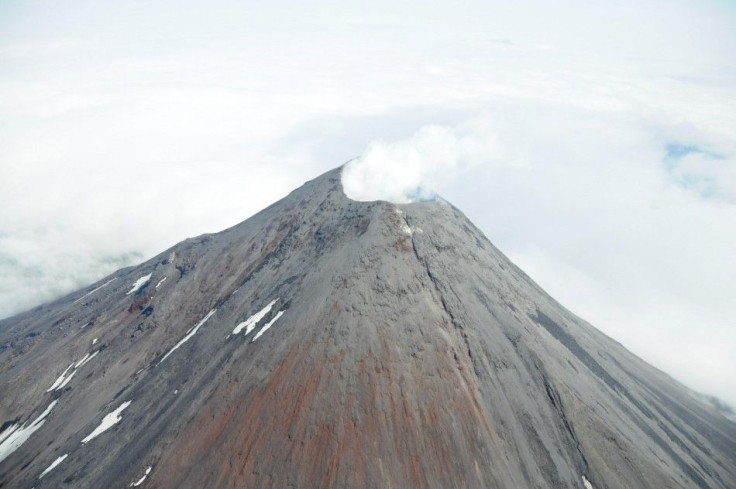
pixel 8 431
pixel 108 422
pixel 87 359
pixel 18 435
pixel 190 333
pixel 81 362
pixel 140 481
pixel 587 483
pixel 53 465
pixel 404 225
pixel 160 282
pixel 268 325
pixel 60 379
pixel 63 380
pixel 66 381
pixel 94 341
pixel 139 283
pixel 250 323
pixel 94 290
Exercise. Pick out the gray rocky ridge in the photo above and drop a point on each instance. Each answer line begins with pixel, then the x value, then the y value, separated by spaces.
pixel 331 343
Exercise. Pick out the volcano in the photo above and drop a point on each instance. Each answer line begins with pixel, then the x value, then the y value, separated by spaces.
pixel 328 343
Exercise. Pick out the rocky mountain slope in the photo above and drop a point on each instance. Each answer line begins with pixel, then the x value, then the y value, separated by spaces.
pixel 332 343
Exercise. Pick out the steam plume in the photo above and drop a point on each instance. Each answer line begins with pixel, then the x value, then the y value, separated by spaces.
pixel 413 169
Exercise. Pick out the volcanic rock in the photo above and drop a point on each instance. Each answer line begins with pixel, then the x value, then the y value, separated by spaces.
pixel 331 343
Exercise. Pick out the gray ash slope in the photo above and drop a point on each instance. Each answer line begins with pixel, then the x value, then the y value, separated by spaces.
pixel 404 350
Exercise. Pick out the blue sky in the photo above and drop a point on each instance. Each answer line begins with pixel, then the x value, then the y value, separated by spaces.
pixel 593 142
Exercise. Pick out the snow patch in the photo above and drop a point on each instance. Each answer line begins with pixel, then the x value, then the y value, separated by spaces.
pixel 66 381
pixel 87 359
pixel 250 323
pixel 60 380
pixel 404 225
pixel 53 465
pixel 8 431
pixel 140 481
pixel 94 341
pixel 160 282
pixel 268 325
pixel 17 435
pixel 63 379
pixel 139 284
pixel 108 422
pixel 587 483
pixel 94 290
pixel 190 333
pixel 81 362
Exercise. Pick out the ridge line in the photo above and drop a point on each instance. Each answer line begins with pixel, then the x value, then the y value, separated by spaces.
pixel 435 282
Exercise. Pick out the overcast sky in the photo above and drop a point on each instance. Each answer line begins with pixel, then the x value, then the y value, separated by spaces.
pixel 593 142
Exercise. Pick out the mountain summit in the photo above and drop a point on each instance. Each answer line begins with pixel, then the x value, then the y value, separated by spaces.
pixel 331 343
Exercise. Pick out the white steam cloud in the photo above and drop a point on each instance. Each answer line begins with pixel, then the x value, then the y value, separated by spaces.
pixel 413 169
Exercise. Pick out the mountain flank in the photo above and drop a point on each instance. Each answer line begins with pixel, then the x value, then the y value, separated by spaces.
pixel 329 343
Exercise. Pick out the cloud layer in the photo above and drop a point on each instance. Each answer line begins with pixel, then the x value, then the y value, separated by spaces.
pixel 594 144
